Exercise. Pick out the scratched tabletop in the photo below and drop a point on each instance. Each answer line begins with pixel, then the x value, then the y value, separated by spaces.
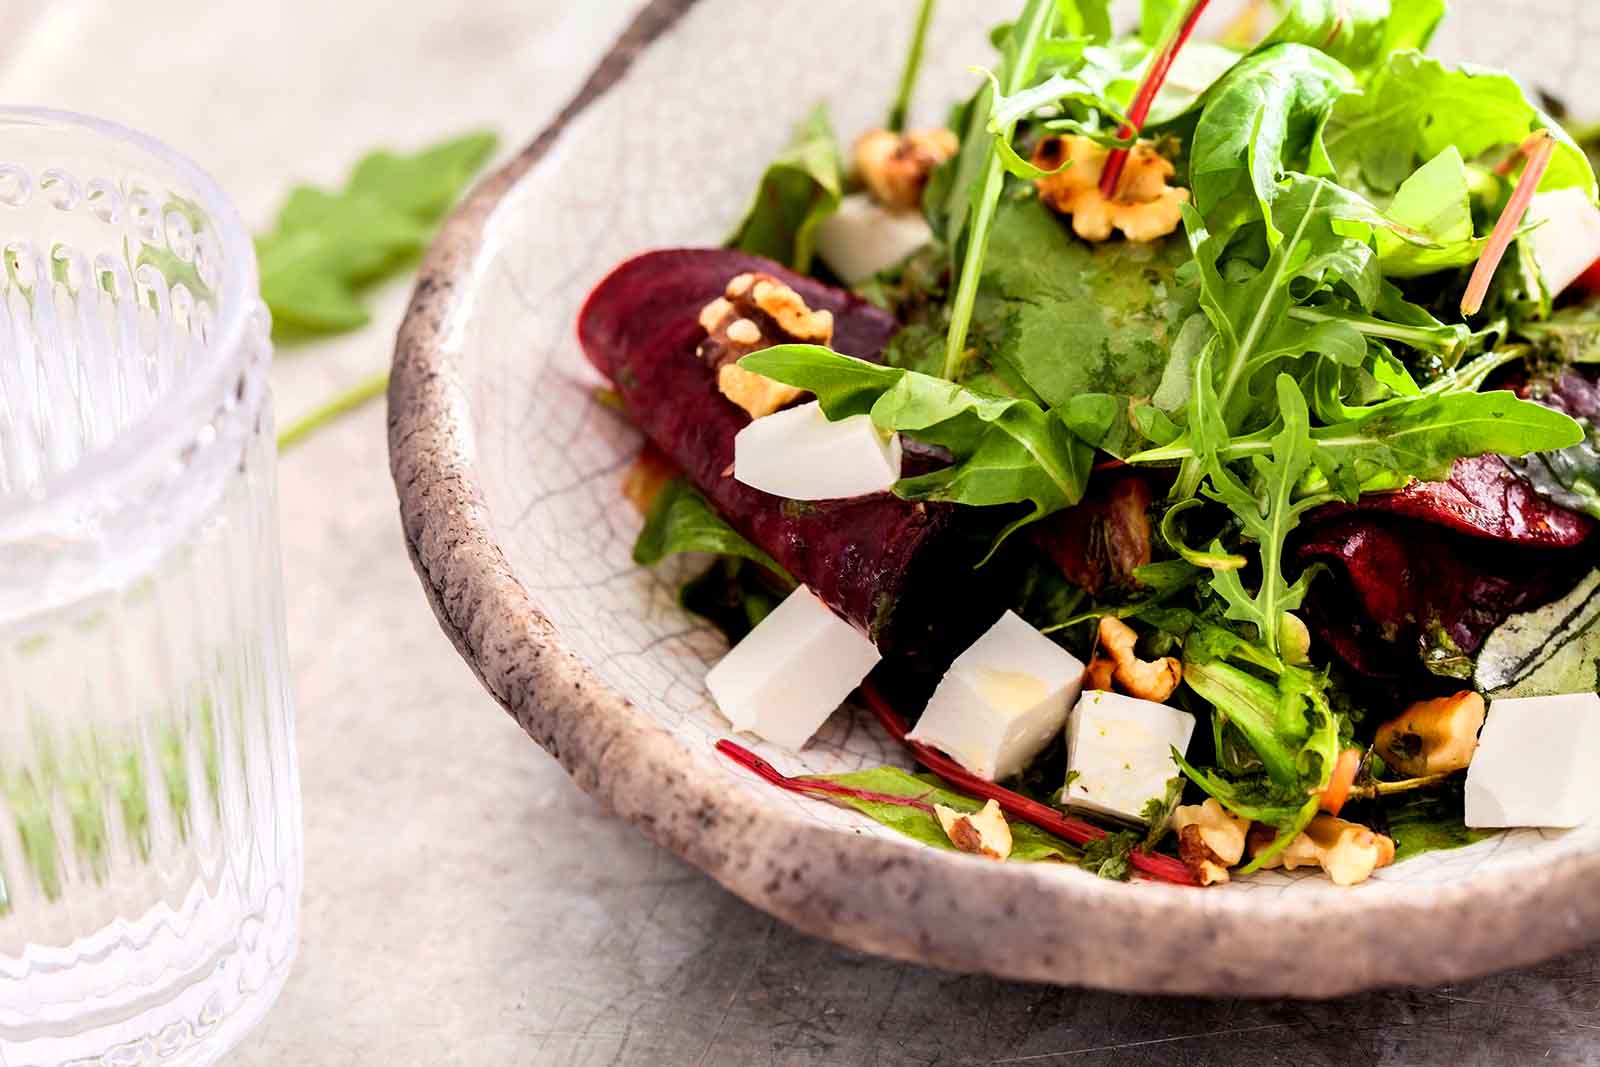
pixel 465 903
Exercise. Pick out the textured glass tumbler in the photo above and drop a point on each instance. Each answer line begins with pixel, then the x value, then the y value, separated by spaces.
pixel 150 843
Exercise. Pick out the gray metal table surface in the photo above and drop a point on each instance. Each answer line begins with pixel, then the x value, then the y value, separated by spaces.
pixel 465 903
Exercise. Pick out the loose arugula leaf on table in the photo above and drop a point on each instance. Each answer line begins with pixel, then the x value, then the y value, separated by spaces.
pixel 1028 842
pixel 1007 450
pixel 325 247
pixel 801 187
pixel 681 520
pixel 1416 107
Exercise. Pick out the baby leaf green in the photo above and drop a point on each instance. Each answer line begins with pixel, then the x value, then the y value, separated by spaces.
pixel 800 188
pixel 681 520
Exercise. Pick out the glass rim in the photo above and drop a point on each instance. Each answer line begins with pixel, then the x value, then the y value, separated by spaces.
pixel 195 397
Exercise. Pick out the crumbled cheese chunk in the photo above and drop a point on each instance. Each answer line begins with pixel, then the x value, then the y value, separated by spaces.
pixel 1002 700
pixel 863 237
pixel 1535 763
pixel 801 455
pixel 1119 753
pixel 788 674
pixel 1567 240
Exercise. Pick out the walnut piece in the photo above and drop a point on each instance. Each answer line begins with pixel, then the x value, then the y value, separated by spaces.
pixel 1347 851
pixel 983 833
pixel 1146 679
pixel 895 167
pixel 757 311
pixel 1145 206
pixel 1432 736
pixel 1210 839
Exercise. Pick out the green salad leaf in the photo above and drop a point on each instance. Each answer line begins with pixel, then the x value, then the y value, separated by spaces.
pixel 1357 33
pixel 1551 650
pixel 1260 117
pixel 1007 450
pixel 801 187
pixel 326 247
pixel 681 520
pixel 1028 842
pixel 1416 107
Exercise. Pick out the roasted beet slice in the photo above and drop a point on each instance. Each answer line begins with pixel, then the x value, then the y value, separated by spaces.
pixel 1403 593
pixel 877 560
pixel 1482 498
pixel 1099 542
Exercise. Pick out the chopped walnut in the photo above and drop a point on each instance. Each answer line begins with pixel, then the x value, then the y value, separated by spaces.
pixel 1210 839
pixel 895 167
pixel 1145 206
pixel 1347 851
pixel 984 833
pixel 1432 736
pixel 645 477
pixel 757 311
pixel 1146 679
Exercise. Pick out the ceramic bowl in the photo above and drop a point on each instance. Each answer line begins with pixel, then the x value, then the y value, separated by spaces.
pixel 508 478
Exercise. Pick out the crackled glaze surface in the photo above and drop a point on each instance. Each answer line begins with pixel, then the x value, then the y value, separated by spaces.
pixel 508 477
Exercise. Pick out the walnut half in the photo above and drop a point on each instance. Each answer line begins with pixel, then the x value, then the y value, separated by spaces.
pixel 757 311
pixel 1145 206
pixel 1210 839
pixel 983 833
pixel 1347 851
pixel 895 167
pixel 1114 659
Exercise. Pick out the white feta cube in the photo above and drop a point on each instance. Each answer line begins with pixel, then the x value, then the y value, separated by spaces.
pixel 788 674
pixel 1568 238
pixel 1002 700
pixel 1119 753
pixel 863 237
pixel 799 454
pixel 1535 763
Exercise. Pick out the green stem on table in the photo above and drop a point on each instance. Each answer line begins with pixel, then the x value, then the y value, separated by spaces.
pixel 1028 32
pixel 908 76
pixel 341 405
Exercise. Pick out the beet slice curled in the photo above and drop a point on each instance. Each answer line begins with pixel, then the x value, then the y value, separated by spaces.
pixel 1482 498
pixel 876 560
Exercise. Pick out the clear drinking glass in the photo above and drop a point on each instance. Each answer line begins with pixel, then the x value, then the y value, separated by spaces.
pixel 150 843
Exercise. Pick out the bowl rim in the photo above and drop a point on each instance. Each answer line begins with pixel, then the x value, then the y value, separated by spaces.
pixel 879 895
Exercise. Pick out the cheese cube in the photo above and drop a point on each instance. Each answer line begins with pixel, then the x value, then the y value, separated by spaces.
pixel 863 237
pixel 799 454
pixel 788 674
pixel 1119 753
pixel 1002 700
pixel 1535 763
pixel 1568 238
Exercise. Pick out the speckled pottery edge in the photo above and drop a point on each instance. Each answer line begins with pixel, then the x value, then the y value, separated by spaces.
pixel 873 894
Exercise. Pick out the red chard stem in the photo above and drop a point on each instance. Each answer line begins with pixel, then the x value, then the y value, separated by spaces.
pixel 1538 149
pixel 1160 67
pixel 811 786
pixel 1151 864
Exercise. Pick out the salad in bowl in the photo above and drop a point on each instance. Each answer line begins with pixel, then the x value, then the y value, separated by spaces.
pixel 1186 452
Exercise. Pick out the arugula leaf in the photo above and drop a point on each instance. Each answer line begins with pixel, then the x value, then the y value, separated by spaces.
pixel 1416 107
pixel 801 187
pixel 1423 436
pixel 326 246
pixel 1007 450
pixel 681 520
pixel 1028 842
pixel 1267 511
pixel 1435 201
pixel 1108 856
pixel 1257 122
